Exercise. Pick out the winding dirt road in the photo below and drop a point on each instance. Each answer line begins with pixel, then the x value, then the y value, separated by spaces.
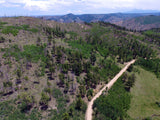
pixel 89 111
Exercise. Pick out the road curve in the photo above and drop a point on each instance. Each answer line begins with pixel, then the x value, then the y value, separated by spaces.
pixel 88 115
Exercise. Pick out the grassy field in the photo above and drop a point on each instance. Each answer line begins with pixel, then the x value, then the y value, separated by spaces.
pixel 145 94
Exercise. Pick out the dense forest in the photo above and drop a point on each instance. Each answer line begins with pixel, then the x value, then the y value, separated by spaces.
pixel 115 105
pixel 50 70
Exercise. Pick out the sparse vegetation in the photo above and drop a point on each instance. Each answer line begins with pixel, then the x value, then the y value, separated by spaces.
pixel 14 30
pixel 50 70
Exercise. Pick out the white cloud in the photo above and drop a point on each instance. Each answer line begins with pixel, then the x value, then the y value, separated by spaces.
pixel 11 5
pixel 80 0
pixel 42 5
pixel 81 6
pixel 37 5
pixel 2 1
pixel 147 4
pixel 131 4
pixel 110 3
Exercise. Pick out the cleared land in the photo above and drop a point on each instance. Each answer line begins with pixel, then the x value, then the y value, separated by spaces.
pixel 145 94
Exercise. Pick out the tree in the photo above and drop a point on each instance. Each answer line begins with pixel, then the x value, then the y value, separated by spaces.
pixel 66 87
pixel 77 68
pixel 88 79
pixel 19 73
pixel 71 110
pixel 130 82
pixel 27 102
pixel 65 68
pixel 130 68
pixel 93 58
pixel 86 67
pixel 61 78
pixel 65 116
pixel 90 92
pixel 52 70
pixel 79 103
pixel 82 90
pixel 44 98
pixel 59 56
pixel 38 41
pixel 28 60
pixel 2 39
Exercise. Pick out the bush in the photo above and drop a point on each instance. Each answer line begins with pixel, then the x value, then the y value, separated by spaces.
pixel 89 98
pixel 90 92
pixel 10 29
pixel 32 53
pixel 26 78
pixel 5 109
pixel 2 39
pixel 57 93
pixel 44 98
pixel 7 84
pixel 25 27
pixel 14 30
pixel 34 30
pixel 80 105
pixel 10 112
pixel 130 68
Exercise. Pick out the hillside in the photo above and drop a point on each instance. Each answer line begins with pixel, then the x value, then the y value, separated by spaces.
pixel 51 70
pixel 142 23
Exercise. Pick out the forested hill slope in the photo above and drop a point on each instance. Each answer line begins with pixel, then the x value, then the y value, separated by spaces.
pixel 50 70
pixel 142 23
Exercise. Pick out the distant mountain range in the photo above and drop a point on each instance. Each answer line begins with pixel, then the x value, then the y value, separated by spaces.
pixel 112 18
pixel 128 20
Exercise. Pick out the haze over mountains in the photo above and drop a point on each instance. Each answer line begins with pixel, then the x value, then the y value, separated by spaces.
pixel 112 17
pixel 129 20
pixel 142 11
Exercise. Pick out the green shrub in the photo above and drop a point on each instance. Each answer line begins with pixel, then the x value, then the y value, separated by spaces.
pixel 44 98
pixel 84 48
pixel 90 92
pixel 57 93
pixel 3 23
pixel 34 30
pixel 5 109
pixel 15 29
pixel 7 84
pixel 10 29
pixel 25 27
pixel 32 53
pixel 26 78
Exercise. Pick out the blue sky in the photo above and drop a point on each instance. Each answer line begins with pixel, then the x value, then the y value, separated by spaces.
pixel 60 7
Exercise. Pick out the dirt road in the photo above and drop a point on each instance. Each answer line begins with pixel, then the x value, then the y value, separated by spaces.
pixel 89 111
